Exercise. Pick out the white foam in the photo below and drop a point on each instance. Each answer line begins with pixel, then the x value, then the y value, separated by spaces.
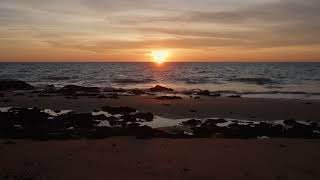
pixel 103 124
pixel 5 109
pixel 279 122
pixel 52 113
pixel 263 138
pixel 70 128
pixel 189 133
pixel 225 124
pixel 159 122
pixel 101 113
pixel 17 126
pixel 304 122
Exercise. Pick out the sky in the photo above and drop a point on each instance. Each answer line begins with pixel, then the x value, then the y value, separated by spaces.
pixel 128 30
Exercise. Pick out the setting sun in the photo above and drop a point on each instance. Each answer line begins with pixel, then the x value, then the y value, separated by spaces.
pixel 160 56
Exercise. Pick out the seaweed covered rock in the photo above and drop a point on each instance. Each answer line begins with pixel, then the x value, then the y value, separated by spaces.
pixel 159 88
pixel 118 110
pixel 14 85
pixel 70 89
pixel 192 122
pixel 204 93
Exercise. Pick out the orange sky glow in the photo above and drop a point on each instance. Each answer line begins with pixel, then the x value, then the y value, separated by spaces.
pixel 122 31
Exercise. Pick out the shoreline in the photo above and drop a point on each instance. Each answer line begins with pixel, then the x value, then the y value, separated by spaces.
pixel 259 109
pixel 75 112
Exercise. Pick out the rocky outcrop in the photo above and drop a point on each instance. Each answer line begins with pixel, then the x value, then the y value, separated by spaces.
pixel 159 88
pixel 70 89
pixel 169 97
pixel 14 85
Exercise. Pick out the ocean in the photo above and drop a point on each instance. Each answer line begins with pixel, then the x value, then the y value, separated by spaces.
pixel 267 80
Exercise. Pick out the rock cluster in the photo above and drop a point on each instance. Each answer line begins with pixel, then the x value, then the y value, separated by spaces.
pixel 14 85
pixel 39 124
pixel 159 88
pixel 126 121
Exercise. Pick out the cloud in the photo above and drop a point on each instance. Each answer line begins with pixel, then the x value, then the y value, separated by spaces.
pixel 102 25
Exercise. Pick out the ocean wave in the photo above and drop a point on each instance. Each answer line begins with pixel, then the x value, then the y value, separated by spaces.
pixel 56 78
pixel 259 81
pixel 132 81
pixel 196 81
pixel 200 80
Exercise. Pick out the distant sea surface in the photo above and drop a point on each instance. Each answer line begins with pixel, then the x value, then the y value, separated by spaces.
pixel 268 80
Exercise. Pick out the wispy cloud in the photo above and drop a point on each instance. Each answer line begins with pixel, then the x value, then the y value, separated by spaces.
pixel 105 25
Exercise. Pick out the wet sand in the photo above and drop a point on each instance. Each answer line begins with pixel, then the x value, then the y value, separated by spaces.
pixel 128 158
pixel 205 107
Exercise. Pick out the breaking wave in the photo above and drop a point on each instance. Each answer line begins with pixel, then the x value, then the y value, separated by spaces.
pixel 132 81
pixel 259 81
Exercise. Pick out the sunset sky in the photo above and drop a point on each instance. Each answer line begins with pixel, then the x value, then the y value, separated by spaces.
pixel 129 30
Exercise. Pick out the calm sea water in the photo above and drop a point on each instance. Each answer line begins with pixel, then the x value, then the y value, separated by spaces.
pixel 292 80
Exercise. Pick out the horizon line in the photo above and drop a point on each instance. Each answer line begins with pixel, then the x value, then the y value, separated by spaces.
pixel 280 61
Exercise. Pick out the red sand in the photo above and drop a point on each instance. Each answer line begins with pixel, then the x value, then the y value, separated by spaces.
pixel 128 158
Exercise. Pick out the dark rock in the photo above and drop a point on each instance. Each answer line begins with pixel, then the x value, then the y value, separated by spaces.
pixel 137 91
pixel 169 97
pixel 128 118
pixel 203 132
pixel 70 89
pixel 140 116
pixel 145 116
pixel 235 96
pixel 213 122
pixel 314 125
pixel 192 122
pixel 204 93
pixel 114 121
pixel 145 132
pixel 100 117
pixel 118 110
pixel 132 125
pixel 30 118
pixel 159 88
pixel 100 133
pixel 14 85
pixel 290 122
pixel 110 89
pixel 60 122
pixel 82 120
pixel 49 89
